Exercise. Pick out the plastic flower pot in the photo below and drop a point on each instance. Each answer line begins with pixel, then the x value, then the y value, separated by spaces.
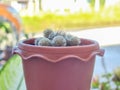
pixel 58 68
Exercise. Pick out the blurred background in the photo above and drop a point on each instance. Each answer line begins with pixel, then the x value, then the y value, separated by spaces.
pixel 74 14
pixel 93 19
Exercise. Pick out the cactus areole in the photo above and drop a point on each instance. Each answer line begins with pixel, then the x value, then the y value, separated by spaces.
pixel 58 65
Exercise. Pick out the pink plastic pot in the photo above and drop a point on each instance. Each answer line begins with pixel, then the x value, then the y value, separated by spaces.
pixel 58 68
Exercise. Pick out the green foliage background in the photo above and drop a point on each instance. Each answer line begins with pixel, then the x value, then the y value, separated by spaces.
pixel 105 17
pixel 11 75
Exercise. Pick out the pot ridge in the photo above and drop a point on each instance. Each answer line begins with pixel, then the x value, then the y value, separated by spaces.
pixel 89 48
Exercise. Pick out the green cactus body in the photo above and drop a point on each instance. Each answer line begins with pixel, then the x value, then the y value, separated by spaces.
pixel 44 42
pixel 37 40
pixel 52 35
pixel 72 40
pixel 59 41
pixel 58 38
pixel 75 41
pixel 68 39
pixel 58 33
pixel 47 32
pixel 61 33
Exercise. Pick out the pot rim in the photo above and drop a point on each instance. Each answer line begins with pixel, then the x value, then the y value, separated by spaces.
pixel 87 46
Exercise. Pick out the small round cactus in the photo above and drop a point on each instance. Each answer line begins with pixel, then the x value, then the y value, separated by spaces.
pixel 47 32
pixel 58 33
pixel 58 38
pixel 61 33
pixel 68 39
pixel 37 40
pixel 75 41
pixel 51 35
pixel 59 41
pixel 44 42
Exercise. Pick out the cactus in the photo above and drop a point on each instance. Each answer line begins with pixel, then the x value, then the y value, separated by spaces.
pixel 61 33
pixel 51 35
pixel 58 33
pixel 47 32
pixel 58 38
pixel 68 39
pixel 44 42
pixel 59 41
pixel 37 40
pixel 75 41
pixel 72 40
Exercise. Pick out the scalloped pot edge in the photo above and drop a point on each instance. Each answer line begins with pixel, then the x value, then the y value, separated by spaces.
pixel 84 52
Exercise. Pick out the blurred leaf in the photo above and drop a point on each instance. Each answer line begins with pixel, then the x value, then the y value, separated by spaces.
pixel 95 85
pixel 11 75
pixel 117 73
pixel 105 86
pixel 95 82
pixel 108 75
pixel 5 27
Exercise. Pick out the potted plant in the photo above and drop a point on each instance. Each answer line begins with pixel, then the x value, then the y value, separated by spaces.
pixel 58 61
